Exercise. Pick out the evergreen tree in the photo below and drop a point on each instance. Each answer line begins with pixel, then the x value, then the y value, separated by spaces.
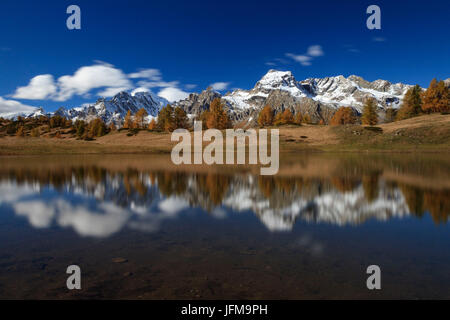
pixel 369 116
pixel 265 117
pixel 412 104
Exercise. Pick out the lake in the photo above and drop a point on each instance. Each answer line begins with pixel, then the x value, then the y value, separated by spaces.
pixel 140 227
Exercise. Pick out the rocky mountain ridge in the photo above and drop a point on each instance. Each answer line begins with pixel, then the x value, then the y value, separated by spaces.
pixel 317 97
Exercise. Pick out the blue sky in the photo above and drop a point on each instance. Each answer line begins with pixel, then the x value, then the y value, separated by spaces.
pixel 177 47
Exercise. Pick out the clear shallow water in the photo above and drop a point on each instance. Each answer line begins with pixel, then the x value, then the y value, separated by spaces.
pixel 224 232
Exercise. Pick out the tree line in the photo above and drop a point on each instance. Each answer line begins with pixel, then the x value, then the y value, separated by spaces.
pixel 436 98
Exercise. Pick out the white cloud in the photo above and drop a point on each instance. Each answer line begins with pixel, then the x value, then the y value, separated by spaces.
pixel 173 94
pixel 190 86
pixel 306 59
pixel 158 84
pixel 109 92
pixel 103 76
pixel 40 87
pixel 219 86
pixel 91 77
pixel 151 74
pixel 303 59
pixel 315 51
pixel 140 89
pixel 10 108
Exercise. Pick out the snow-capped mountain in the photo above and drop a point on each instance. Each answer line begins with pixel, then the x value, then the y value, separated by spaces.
pixel 354 90
pixel 319 97
pixel 115 109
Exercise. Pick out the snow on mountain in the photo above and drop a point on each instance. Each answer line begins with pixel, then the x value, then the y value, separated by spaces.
pixel 115 109
pixel 354 90
pixel 273 80
pixel 330 206
pixel 317 97
pixel 332 92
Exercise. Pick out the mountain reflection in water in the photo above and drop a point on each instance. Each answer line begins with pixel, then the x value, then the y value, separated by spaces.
pixel 98 197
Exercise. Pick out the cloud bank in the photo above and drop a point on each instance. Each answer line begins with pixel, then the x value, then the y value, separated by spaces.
pixel 103 77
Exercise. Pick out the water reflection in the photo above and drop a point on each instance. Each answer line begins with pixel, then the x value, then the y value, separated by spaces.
pixel 98 198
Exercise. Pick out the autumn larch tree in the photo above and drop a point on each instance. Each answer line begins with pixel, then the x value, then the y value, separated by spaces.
pixel 152 125
pixel 218 117
pixel 369 116
pixel 112 127
pixel 412 104
pixel 203 117
pixel 298 119
pixel 265 117
pixel 35 133
pixel 139 118
pixel 180 118
pixel 306 118
pixel 436 98
pixel 166 121
pixel 128 123
pixel 391 115
pixel 344 115
pixel 20 132
pixel 97 128
pixel 287 117
pixel 278 120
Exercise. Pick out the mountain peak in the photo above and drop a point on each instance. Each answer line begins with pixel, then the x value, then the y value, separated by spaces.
pixel 277 79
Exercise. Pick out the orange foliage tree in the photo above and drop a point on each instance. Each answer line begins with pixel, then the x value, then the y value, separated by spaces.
pixel 287 117
pixel 265 117
pixel 344 115
pixel 217 117
pixel 436 98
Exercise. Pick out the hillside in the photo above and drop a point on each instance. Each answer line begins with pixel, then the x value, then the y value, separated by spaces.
pixel 428 133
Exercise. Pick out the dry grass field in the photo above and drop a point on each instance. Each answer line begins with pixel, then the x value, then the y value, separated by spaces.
pixel 428 133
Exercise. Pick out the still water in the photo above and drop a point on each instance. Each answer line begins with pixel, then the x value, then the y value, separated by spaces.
pixel 142 228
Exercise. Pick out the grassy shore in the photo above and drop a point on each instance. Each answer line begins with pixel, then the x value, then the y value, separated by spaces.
pixel 429 133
